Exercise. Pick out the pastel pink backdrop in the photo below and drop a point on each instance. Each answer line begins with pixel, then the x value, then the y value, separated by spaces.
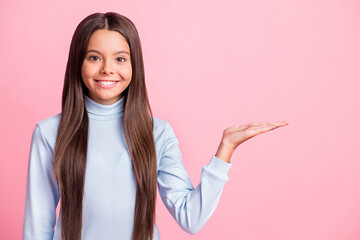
pixel 210 65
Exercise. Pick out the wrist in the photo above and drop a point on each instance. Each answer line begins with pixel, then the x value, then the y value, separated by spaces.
pixel 224 152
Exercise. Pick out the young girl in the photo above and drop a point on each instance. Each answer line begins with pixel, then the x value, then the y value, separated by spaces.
pixel 105 154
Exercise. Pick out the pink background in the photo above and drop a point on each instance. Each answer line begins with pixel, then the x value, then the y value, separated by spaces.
pixel 210 65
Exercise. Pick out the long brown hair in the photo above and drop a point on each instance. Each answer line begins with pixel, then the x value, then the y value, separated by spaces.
pixel 72 135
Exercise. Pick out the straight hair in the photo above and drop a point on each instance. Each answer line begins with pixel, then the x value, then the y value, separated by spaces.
pixel 72 135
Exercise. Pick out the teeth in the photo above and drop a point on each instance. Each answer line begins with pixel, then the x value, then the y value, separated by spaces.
pixel 106 83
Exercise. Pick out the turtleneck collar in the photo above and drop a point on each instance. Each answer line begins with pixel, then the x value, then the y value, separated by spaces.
pixel 104 112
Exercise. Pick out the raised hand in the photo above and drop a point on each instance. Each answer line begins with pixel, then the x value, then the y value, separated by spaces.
pixel 234 136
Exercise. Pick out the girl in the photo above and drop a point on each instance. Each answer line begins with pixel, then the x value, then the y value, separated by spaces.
pixel 105 154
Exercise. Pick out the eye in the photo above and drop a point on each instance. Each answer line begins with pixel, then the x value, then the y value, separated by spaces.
pixel 120 59
pixel 94 58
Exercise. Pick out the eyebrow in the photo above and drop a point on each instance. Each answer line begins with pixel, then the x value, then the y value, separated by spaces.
pixel 115 53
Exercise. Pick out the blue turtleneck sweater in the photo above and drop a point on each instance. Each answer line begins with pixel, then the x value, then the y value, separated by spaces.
pixel 110 184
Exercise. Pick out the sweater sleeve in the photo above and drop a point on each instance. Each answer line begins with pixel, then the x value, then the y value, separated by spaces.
pixel 42 191
pixel 191 208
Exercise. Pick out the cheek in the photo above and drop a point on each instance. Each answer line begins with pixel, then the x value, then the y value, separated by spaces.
pixel 129 73
pixel 86 76
pixel 87 73
pixel 84 71
pixel 129 76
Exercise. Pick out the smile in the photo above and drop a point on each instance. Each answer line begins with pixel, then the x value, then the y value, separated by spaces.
pixel 106 83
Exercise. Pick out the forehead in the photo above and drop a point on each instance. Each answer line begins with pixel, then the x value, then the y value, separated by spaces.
pixel 106 40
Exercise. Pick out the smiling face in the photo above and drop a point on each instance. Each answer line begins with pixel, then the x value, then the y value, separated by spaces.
pixel 106 70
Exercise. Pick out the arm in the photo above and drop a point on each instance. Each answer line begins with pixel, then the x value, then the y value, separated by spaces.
pixel 42 192
pixel 191 208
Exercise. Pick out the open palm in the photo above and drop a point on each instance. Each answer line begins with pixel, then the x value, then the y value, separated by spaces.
pixel 234 136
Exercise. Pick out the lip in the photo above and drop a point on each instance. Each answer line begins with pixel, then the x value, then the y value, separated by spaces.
pixel 106 80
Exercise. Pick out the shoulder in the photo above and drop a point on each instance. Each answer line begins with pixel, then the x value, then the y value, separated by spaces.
pixel 161 127
pixel 159 124
pixel 48 129
pixel 166 142
pixel 50 124
pixel 164 133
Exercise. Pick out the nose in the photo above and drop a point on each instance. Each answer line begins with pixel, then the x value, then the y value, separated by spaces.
pixel 107 69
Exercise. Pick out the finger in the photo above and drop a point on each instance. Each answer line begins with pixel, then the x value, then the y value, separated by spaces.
pixel 264 129
pixel 263 126
pixel 266 126
pixel 271 125
pixel 274 123
pixel 250 126
pixel 280 123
